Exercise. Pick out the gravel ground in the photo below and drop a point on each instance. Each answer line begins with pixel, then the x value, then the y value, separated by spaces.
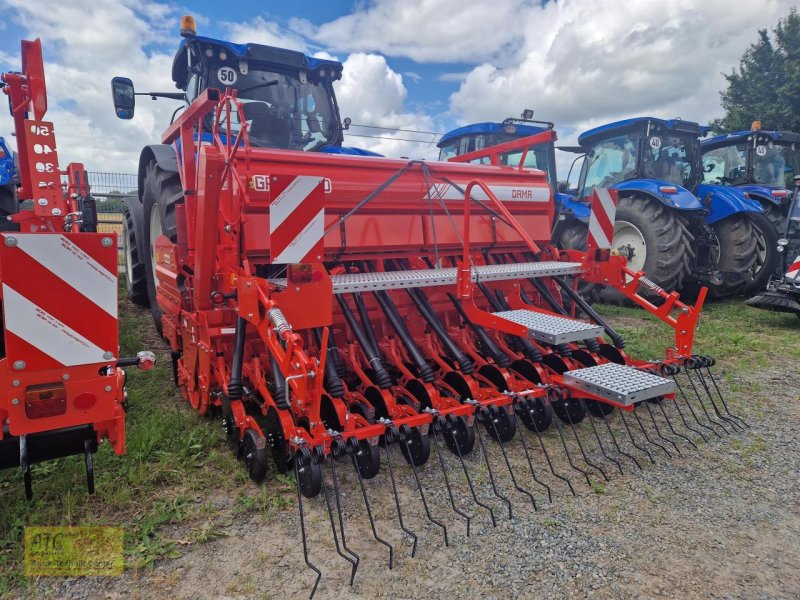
pixel 719 521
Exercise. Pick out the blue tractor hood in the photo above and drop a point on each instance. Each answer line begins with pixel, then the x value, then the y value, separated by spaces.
pixel 7 168
pixel 683 199
pixel 567 204
pixel 280 57
pixel 517 129
pixel 725 201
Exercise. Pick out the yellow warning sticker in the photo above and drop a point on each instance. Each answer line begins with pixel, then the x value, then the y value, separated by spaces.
pixel 73 551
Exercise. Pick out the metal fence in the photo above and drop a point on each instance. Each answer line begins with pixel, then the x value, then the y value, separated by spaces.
pixel 108 190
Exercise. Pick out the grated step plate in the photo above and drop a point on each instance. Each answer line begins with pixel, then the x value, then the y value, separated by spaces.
pixel 390 280
pixel 551 329
pixel 619 383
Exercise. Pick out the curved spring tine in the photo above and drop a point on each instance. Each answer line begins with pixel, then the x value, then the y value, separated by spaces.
pixel 547 458
pixel 422 496
pixel 351 556
pixel 508 463
pixel 694 414
pixel 489 469
pixel 722 398
pixel 647 437
pixel 369 512
pixel 672 429
pixel 728 419
pixel 469 479
pixel 583 453
pixel 397 502
pixel 633 440
pixel 341 520
pixel 686 423
pixel 616 444
pixel 569 456
pixel 702 404
pixel 599 441
pixel 530 464
pixel 658 430
pixel 303 531
pixel 447 482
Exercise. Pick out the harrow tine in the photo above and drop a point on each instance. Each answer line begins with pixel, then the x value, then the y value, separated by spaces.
pixel 702 404
pixel 719 393
pixel 616 444
pixel 647 437
pixel 452 430
pixel 580 446
pixel 530 462
pixel 407 531
pixel 734 425
pixel 569 456
pixel 351 556
pixel 549 462
pixel 461 513
pixel 369 510
pixel 658 430
pixel 599 441
pixel 402 439
pixel 691 409
pixel 491 474
pixel 303 530
pixel 686 423
pixel 633 440
pixel 672 429
pixel 505 458
pixel 336 494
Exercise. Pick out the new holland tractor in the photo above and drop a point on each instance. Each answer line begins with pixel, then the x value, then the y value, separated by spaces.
pixel 760 163
pixel 8 182
pixel 337 308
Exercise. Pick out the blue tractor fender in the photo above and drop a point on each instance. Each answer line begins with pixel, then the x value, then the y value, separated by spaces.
pixel 725 201
pixel 572 208
pixel 764 193
pixel 681 199
pixel 348 150
pixel 6 164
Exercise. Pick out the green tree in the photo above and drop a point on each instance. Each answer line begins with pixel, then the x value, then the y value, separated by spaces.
pixel 767 84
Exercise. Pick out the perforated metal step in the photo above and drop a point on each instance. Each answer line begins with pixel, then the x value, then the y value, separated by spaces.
pixel 551 329
pixel 389 280
pixel 619 383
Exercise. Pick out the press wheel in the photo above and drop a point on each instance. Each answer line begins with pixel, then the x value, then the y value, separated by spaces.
pixel 416 447
pixel 460 438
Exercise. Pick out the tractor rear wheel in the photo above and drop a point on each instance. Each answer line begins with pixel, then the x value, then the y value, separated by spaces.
pixel 738 244
pixel 773 212
pixel 654 239
pixel 132 233
pixel 767 255
pixel 162 193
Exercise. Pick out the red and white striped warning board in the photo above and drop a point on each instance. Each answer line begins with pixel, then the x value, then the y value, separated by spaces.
pixel 59 299
pixel 601 219
pixel 296 219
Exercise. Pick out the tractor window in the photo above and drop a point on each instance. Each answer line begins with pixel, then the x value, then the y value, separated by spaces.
pixel 537 157
pixel 610 162
pixel 726 165
pixel 776 165
pixel 671 157
pixel 281 110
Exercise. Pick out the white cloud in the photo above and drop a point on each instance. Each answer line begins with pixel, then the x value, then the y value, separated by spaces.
pixel 261 31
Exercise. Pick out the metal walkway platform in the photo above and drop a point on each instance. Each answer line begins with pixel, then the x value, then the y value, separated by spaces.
pixel 552 329
pixel 390 280
pixel 619 383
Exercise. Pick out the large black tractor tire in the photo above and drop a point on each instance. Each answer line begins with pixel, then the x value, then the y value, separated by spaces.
pixel 655 239
pixel 9 205
pixel 768 259
pixel 773 212
pixel 574 236
pixel 738 244
pixel 162 193
pixel 134 250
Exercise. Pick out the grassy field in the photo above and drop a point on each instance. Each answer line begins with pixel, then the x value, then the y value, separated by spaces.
pixel 176 462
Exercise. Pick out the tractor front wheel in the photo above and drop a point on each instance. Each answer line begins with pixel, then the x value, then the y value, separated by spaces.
pixel 767 255
pixel 738 243
pixel 132 234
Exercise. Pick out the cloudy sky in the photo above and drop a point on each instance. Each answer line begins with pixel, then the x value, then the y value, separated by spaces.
pixel 421 65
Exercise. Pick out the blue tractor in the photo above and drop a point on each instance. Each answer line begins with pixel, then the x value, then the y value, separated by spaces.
pixel 531 143
pixel 680 230
pixel 8 184
pixel 762 164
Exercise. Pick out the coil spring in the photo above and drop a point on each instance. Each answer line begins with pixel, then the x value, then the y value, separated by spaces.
pixel 279 321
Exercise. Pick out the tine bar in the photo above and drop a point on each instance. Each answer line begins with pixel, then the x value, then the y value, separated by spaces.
pixel 616 443
pixel 461 513
pixel 658 430
pixel 599 441
pixel 633 440
pixel 407 531
pixel 491 474
pixel 452 431
pixel 303 528
pixel 492 411
pixel 647 437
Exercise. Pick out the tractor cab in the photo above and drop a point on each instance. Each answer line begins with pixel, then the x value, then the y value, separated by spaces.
pixel 661 156
pixel 761 163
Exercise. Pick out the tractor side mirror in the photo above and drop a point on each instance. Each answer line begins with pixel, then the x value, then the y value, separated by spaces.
pixel 124 97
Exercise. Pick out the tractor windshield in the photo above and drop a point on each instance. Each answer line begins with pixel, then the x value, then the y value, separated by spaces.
pixel 286 111
pixel 609 162
pixel 726 165
pixel 776 164
pixel 673 157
